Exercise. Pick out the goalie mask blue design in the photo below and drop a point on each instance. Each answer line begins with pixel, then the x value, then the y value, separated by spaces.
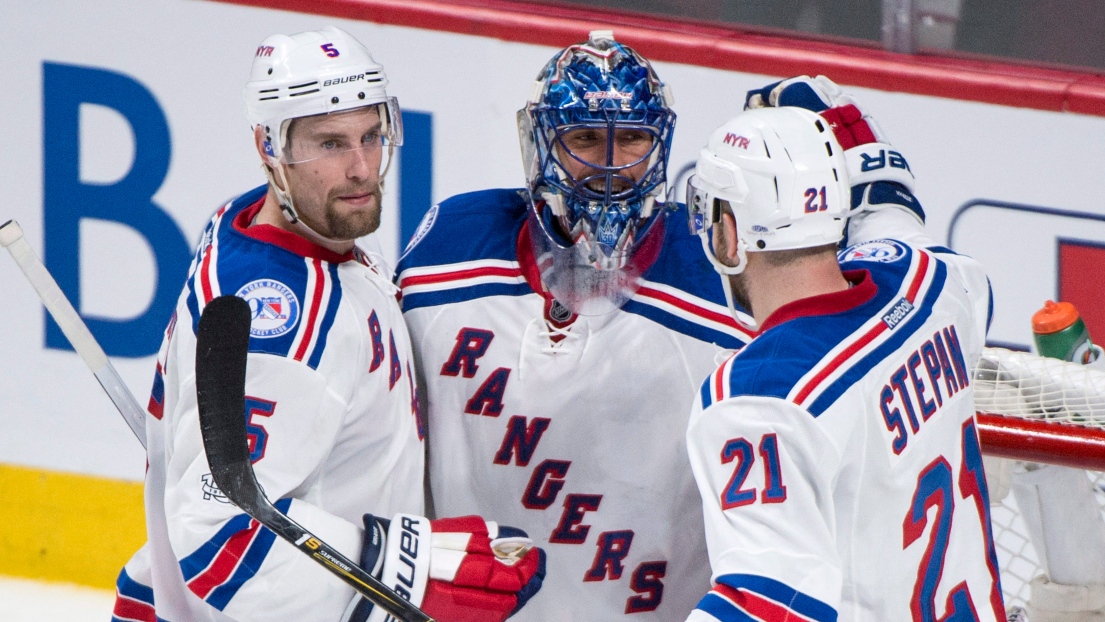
pixel 596 136
pixel 606 87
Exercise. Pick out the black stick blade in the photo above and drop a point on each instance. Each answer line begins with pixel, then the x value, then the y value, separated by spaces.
pixel 222 345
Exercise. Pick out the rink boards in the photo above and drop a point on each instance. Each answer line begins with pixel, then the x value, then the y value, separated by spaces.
pixel 125 130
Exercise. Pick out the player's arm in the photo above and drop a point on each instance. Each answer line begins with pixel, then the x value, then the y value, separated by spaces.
pixel 883 200
pixel 765 473
pixel 450 568
pixel 226 558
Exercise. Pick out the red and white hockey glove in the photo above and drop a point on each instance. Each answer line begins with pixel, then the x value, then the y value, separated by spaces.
pixel 461 569
pixel 880 174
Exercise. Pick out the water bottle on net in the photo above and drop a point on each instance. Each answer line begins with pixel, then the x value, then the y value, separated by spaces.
pixel 1060 333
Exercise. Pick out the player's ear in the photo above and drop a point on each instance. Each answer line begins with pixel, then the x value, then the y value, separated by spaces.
pixel 727 227
pixel 260 138
pixel 264 150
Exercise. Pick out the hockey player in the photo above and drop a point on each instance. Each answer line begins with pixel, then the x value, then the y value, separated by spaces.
pixel 562 330
pixel 836 454
pixel 331 406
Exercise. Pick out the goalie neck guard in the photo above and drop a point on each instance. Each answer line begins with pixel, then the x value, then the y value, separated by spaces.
pixel 594 209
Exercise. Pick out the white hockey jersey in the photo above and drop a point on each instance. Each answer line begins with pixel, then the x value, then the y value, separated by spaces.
pixel 332 421
pixel 571 428
pixel 837 455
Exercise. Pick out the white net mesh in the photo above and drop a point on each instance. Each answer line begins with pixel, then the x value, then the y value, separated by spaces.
pixel 1019 384
pixel 1016 556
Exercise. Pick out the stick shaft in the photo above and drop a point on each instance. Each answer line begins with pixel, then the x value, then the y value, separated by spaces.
pixel 74 328
pixel 222 353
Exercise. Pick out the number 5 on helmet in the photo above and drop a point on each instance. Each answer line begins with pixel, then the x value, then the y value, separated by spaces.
pixel 462 569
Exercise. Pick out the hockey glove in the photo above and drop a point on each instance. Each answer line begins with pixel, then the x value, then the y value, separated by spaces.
pixel 879 173
pixel 461 569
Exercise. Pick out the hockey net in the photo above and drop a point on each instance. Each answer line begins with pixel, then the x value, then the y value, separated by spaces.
pixel 1035 410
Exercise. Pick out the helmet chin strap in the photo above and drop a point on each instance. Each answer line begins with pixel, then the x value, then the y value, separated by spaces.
pixel 275 171
pixel 725 272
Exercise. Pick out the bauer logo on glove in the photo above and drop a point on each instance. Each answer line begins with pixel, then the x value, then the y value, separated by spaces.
pixel 461 569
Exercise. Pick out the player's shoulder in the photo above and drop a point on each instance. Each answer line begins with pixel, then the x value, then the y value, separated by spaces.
pixel 771 365
pixel 235 254
pixel 682 292
pixel 466 248
pixel 293 287
pixel 468 227
pixel 884 254
pixel 812 350
pixel 682 263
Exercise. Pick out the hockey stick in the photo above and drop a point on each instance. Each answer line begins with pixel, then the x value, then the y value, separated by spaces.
pixel 222 345
pixel 11 237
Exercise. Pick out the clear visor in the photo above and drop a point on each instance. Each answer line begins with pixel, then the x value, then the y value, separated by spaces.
pixel 340 141
pixel 703 210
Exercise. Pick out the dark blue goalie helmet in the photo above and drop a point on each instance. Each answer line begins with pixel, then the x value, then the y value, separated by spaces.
pixel 595 142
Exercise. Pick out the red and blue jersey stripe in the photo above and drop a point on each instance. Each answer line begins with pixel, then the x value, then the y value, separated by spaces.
pixel 478 247
pixel 133 601
pixel 813 366
pixel 222 565
pixel 753 598
pixel 233 254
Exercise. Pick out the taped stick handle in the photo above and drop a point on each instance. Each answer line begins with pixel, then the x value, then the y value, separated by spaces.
pixel 74 328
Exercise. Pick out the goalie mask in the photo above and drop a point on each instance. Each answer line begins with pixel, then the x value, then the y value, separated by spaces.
pixel 595 137
pixel 783 174
pixel 315 73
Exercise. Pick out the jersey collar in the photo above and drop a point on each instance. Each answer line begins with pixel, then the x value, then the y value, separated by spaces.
pixel 284 239
pixel 863 289
pixel 528 263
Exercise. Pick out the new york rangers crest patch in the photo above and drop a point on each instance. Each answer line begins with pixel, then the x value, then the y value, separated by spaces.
pixel 884 251
pixel 274 307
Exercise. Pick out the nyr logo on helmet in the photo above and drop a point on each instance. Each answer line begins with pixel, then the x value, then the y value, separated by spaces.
pixel 274 307
pixel 735 140
pixel 884 251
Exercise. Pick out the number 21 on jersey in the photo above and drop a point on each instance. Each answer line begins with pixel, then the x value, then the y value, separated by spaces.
pixel 740 450
pixel 936 487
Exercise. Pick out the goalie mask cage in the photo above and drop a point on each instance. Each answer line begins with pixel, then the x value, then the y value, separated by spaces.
pixel 1036 410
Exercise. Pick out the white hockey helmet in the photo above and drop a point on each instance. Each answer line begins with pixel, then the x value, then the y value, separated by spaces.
pixel 311 73
pixel 783 174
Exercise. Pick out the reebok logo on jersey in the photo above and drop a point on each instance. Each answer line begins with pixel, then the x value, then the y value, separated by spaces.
pixel 901 309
